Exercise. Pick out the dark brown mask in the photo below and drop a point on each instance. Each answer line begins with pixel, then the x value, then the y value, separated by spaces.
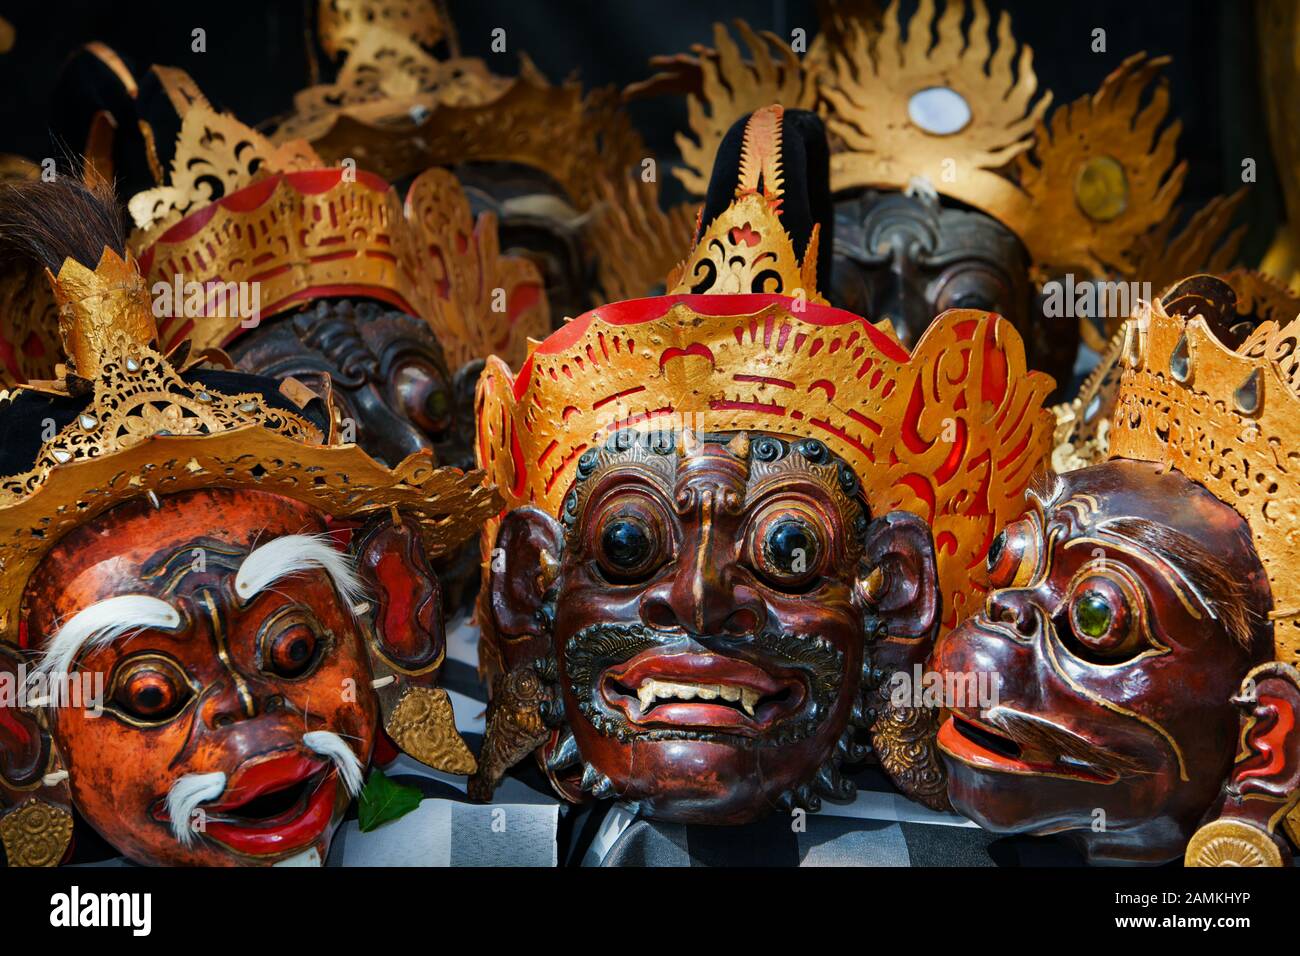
pixel 707 608
pixel 393 387
pixel 906 259
pixel 1126 605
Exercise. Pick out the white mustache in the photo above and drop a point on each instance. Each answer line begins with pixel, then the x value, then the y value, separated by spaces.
pixel 184 798
pixel 189 792
pixel 334 747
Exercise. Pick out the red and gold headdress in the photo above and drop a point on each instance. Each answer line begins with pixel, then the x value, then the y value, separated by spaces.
pixel 302 230
pixel 951 432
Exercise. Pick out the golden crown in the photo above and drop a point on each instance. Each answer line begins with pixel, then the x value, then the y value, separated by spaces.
pixel 301 230
pixel 1237 298
pixel 1227 420
pixel 952 432
pixel 396 109
pixel 934 99
pixel 149 430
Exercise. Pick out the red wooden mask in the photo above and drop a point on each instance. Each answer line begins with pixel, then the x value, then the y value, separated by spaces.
pixel 231 712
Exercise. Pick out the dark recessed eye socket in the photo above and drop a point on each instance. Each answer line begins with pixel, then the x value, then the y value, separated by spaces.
pixel 150 689
pixel 628 548
pixel 422 394
pixel 1013 556
pixel 1101 618
pixel 787 550
pixel 972 287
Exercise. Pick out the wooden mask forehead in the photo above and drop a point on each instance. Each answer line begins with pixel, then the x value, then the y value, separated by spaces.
pixel 153 543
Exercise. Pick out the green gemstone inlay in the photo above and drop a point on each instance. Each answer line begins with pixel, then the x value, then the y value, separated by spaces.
pixel 1092 614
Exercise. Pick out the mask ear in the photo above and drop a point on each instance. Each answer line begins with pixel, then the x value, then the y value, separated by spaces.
pixel 407 605
pixel 1263 789
pixel 898 585
pixel 408 643
pixel 524 565
pixel 899 589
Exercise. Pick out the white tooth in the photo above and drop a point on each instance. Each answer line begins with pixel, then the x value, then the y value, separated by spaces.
pixel 728 692
pixel 748 698
pixel 707 691
pixel 684 691
pixel 646 693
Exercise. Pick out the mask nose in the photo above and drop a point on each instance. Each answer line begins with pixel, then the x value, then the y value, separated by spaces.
pixel 239 699
pixel 1015 608
pixel 706 596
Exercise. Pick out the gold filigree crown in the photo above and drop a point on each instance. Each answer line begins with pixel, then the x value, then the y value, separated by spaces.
pixel 952 432
pixel 1227 420
pixel 301 230
pixel 949 102
pixel 746 248
pixel 397 109
pixel 149 428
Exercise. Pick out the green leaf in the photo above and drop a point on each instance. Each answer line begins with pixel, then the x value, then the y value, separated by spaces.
pixel 382 800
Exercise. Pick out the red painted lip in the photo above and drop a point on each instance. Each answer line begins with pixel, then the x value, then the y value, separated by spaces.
pixel 963 737
pixel 781 696
pixel 292 829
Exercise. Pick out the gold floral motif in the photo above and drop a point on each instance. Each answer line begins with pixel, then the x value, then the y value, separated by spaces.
pixel 515 727
pixel 216 154
pixel 36 834
pixel 424 726
pixel 1231 843
pixel 904 741
pixel 478 302
pixel 746 249
pixel 342 24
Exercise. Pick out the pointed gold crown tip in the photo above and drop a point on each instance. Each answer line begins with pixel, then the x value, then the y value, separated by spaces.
pixel 100 305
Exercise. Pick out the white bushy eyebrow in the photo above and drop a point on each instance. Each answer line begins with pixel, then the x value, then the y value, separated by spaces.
pixel 102 623
pixel 292 554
